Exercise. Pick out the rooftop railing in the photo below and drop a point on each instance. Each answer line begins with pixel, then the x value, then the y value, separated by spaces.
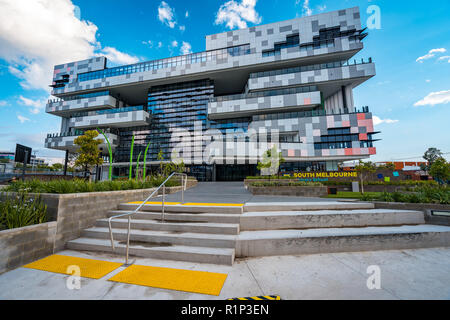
pixel 167 62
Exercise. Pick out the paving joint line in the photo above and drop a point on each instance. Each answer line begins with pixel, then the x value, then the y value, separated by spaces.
pixel 257 283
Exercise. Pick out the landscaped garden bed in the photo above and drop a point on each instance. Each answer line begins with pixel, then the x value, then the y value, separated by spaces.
pixel 83 186
pixel 297 188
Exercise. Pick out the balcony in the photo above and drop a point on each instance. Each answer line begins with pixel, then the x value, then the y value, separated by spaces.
pixel 115 118
pixel 332 71
pixel 98 100
pixel 65 141
pixel 262 102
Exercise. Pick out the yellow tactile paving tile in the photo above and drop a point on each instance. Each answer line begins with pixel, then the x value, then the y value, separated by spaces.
pixel 89 268
pixel 154 202
pixel 214 204
pixel 173 279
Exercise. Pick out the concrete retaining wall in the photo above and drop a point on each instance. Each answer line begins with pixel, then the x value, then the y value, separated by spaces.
pixel 314 245
pixel 426 208
pixel 298 191
pixel 367 188
pixel 24 245
pixel 70 215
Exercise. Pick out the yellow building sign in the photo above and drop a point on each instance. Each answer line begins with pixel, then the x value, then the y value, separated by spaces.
pixel 321 175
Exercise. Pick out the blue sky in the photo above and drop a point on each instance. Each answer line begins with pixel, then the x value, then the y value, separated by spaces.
pixel 410 96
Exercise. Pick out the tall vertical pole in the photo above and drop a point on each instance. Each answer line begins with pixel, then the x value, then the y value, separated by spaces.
pixel 65 162
pixel 25 160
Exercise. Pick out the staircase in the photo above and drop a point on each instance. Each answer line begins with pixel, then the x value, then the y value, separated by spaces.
pixel 216 234
pixel 188 233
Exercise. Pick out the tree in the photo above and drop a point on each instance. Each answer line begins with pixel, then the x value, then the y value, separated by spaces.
pixel 88 153
pixel 364 169
pixel 160 159
pixel 440 170
pixel 387 166
pixel 57 167
pixel 431 155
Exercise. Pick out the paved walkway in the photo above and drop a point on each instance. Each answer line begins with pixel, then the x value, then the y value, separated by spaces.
pixel 405 274
pixel 232 192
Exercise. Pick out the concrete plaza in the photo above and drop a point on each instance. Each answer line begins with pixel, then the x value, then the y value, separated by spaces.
pixel 405 274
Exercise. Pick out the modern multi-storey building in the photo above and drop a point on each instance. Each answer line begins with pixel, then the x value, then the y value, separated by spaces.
pixel 291 79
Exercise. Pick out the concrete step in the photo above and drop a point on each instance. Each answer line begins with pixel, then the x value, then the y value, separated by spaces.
pixel 165 237
pixel 178 208
pixel 196 217
pixel 221 256
pixel 305 206
pixel 200 227
pixel 311 241
pixel 329 219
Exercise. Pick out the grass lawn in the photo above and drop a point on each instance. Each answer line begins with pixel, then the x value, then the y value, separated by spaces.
pixel 353 195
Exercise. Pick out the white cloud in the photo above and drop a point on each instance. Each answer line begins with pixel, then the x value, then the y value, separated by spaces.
pixel 434 98
pixel 37 35
pixel 174 43
pixel 307 11
pixel 187 14
pixel 428 81
pixel 166 15
pixel 378 120
pixel 321 8
pixel 160 44
pixel 36 105
pixel 117 57
pixel 235 14
pixel 445 58
pixel 22 119
pixel 186 48
pixel 3 103
pixel 148 43
pixel 430 54
pixel 182 28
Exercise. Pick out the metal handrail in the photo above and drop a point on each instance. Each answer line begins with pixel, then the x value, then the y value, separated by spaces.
pixel 129 214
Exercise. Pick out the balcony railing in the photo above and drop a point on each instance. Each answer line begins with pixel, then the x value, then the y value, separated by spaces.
pixel 81 96
pixel 108 111
pixel 265 93
pixel 329 65
pixel 76 133
pixel 303 114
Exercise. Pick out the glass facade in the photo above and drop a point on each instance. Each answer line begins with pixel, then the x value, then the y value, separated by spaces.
pixel 265 93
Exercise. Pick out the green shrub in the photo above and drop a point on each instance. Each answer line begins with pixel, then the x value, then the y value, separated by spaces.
pixel 269 177
pixel 82 186
pixel 366 197
pixel 285 184
pixel 386 197
pixel 21 211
